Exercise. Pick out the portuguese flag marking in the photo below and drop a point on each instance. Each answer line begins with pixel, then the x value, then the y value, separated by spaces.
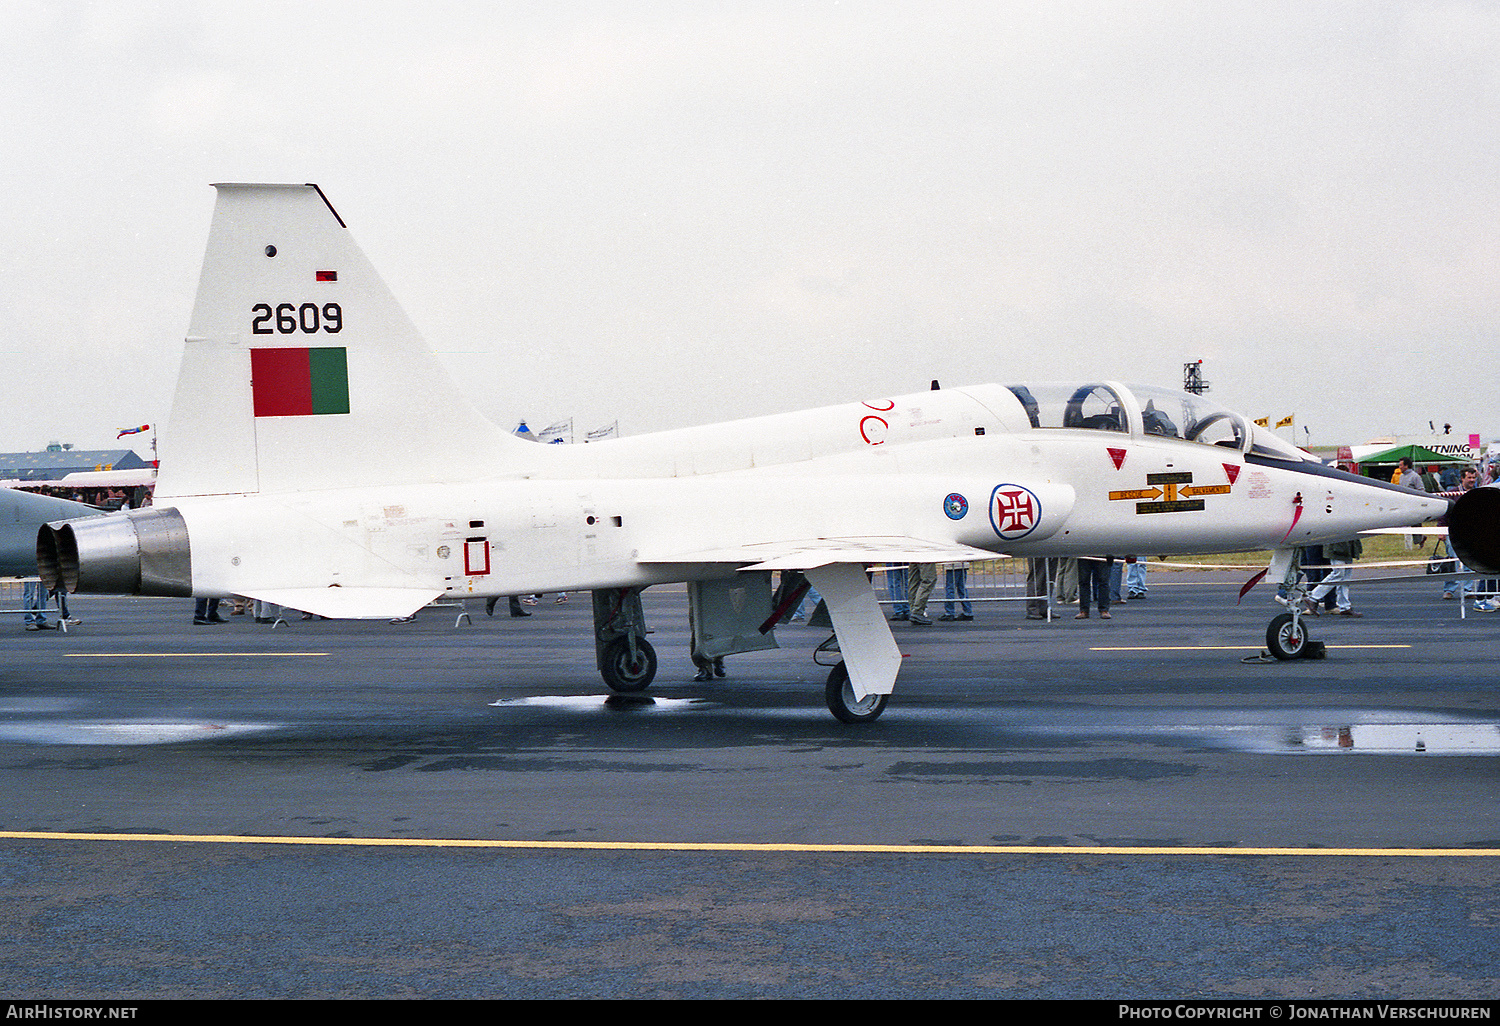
pixel 299 382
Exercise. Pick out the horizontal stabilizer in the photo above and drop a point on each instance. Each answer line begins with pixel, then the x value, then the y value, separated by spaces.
pixel 804 554
pixel 350 603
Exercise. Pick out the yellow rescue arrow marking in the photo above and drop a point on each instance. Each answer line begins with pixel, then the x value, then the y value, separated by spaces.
pixel 1176 491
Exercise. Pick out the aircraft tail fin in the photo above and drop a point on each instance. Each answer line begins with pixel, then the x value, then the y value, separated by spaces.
pixel 301 370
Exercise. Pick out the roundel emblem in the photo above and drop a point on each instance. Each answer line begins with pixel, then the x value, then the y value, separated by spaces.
pixel 1014 511
pixel 955 506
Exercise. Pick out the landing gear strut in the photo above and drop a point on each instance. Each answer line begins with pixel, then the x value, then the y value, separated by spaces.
pixel 1286 635
pixel 627 662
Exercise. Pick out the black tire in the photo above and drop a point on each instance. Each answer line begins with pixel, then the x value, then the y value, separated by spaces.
pixel 1286 637
pixel 841 702
pixel 624 674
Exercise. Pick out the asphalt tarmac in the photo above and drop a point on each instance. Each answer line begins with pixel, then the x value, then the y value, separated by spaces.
pixel 1098 809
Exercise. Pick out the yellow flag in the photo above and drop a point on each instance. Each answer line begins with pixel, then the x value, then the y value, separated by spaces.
pixel 1263 421
pixel 1284 421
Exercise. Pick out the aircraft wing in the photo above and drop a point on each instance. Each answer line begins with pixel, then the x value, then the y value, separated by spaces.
pixel 807 553
pixel 21 514
pixel 349 603
pixel 1432 529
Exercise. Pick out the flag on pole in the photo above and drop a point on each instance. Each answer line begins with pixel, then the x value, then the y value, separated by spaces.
pixel 1284 421
pixel 1262 421
pixel 552 434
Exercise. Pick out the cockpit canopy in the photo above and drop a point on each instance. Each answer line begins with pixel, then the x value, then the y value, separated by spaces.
pixel 1147 410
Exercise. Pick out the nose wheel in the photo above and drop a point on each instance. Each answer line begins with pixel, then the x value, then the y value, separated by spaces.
pixel 1286 637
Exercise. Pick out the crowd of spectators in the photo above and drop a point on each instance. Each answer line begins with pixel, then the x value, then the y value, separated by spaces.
pixel 100 498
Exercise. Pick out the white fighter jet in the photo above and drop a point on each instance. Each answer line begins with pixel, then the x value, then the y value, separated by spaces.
pixel 320 457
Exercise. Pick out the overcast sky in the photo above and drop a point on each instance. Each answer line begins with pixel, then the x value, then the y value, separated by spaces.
pixel 675 213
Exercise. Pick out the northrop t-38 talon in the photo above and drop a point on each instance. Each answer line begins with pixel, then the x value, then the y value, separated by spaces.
pixel 320 457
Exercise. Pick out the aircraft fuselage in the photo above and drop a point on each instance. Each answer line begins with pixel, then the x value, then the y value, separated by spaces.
pixel 1036 492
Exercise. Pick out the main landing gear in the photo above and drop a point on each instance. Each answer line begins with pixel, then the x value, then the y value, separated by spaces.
pixel 627 662
pixel 839 694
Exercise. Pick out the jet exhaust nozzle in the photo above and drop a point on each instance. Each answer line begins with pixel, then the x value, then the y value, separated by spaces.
pixel 141 552
pixel 1474 529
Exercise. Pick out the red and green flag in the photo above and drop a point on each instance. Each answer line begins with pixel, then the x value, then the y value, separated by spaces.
pixel 299 382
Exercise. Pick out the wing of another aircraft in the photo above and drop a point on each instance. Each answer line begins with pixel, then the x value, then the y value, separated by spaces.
pixel 807 553
pixel 1431 529
pixel 21 514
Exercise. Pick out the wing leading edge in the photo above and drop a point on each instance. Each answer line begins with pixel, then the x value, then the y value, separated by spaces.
pixel 809 553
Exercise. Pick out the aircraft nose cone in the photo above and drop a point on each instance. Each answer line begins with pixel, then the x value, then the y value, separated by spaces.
pixel 1419 505
pixel 1434 507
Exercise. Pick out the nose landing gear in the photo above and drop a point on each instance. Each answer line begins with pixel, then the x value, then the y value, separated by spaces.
pixel 1286 637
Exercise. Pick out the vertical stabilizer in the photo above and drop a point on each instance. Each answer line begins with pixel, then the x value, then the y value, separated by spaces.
pixel 301 371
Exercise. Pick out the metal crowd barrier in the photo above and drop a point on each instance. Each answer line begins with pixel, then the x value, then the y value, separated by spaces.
pixel 13 601
pixel 991 580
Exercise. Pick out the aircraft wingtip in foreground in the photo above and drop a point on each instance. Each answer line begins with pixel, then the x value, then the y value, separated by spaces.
pixel 319 456
pixel 21 515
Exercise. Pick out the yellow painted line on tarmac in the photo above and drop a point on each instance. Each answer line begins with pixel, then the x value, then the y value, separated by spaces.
pixel 742 848
pixel 1209 648
pixel 181 655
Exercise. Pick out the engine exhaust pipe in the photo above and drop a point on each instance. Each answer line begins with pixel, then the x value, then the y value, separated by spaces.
pixel 140 552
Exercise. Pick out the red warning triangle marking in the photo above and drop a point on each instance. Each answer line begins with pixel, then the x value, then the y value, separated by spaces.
pixel 1233 470
pixel 1118 455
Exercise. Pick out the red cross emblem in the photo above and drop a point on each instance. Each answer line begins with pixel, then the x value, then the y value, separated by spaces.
pixel 1014 511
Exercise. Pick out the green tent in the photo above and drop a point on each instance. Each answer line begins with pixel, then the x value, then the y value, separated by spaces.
pixel 1418 455
pixel 1381 465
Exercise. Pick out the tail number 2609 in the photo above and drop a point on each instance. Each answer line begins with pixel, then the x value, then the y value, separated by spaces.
pixel 288 319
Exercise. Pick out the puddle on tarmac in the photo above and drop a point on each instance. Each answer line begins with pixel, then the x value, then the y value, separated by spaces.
pixel 1398 738
pixel 1294 732
pixel 125 733
pixel 604 703
pixel 1262 731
